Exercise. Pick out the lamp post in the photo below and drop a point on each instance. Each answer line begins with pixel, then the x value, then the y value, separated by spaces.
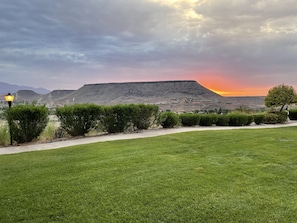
pixel 9 98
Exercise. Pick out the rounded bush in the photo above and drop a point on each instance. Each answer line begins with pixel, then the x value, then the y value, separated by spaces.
pixel 144 116
pixel 79 119
pixel 27 122
pixel 259 118
pixel 293 114
pixel 188 119
pixel 270 118
pixel 223 120
pixel 169 119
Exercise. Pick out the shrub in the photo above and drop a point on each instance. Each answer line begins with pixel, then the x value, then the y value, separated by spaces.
pixel 259 118
pixel 250 119
pixel 207 119
pixel 117 118
pixel 293 114
pixel 282 116
pixel 169 119
pixel 79 119
pixel 144 116
pixel 215 117
pixel 238 119
pixel 27 122
pixel 223 120
pixel 188 119
pixel 270 118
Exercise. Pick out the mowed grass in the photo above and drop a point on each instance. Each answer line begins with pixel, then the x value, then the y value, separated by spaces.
pixel 209 176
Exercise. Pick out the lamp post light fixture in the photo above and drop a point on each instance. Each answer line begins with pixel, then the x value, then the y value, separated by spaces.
pixel 9 98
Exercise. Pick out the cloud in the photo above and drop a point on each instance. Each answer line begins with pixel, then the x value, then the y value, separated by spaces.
pixel 251 42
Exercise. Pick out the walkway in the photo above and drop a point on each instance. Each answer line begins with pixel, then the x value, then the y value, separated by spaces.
pixel 111 137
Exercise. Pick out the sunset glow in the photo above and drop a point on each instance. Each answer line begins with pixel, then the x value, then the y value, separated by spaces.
pixel 225 87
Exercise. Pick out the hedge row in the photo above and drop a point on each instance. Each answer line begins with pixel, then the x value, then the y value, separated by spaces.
pixel 28 121
pixel 77 120
pixel 170 119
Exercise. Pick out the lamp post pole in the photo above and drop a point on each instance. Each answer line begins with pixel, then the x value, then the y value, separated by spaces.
pixel 9 98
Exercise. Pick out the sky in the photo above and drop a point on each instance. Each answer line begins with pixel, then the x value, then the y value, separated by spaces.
pixel 233 47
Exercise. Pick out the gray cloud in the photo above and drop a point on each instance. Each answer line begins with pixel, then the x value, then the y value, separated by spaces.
pixel 65 44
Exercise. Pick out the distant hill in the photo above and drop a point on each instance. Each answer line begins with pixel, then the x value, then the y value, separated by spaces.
pixel 168 95
pixel 12 88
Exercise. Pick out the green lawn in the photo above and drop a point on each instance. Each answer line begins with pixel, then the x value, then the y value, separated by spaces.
pixel 205 176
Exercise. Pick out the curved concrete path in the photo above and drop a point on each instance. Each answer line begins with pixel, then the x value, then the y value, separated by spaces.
pixel 122 136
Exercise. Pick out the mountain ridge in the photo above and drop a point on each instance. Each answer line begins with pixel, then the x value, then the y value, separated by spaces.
pixel 180 96
pixel 13 88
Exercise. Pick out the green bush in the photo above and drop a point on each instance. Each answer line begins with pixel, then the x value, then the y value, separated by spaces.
pixel 223 120
pixel 189 119
pixel 207 119
pixel 118 118
pixel 250 119
pixel 27 122
pixel 238 119
pixel 169 119
pixel 270 118
pixel 259 118
pixel 282 116
pixel 293 114
pixel 144 116
pixel 79 119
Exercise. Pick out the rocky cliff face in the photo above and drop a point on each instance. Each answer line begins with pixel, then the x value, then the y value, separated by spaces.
pixel 168 95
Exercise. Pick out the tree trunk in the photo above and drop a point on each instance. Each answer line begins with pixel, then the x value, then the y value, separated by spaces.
pixel 282 108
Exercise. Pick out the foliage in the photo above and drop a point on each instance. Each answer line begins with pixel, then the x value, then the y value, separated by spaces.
pixel 49 133
pixel 208 119
pixel 250 119
pixel 144 116
pixel 259 118
pixel 281 95
pixel 293 114
pixel 189 119
pixel 79 119
pixel 270 118
pixel 203 176
pixel 239 119
pixel 118 118
pixel 282 116
pixel 4 135
pixel 169 119
pixel 27 122
pixel 223 120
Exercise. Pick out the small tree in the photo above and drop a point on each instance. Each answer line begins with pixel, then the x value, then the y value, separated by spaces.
pixel 280 96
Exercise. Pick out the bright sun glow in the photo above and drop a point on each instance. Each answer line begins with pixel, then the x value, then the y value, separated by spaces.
pixel 186 7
